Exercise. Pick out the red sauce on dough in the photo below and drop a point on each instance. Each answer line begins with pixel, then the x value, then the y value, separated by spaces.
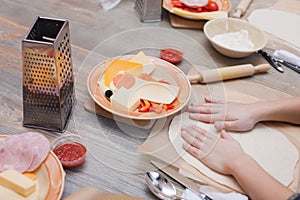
pixel 70 154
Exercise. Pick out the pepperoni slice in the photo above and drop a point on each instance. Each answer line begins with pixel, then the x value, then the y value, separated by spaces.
pixel 171 55
pixel 146 77
pixel 124 80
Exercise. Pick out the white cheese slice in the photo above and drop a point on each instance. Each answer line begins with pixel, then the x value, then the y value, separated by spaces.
pixel 129 99
pixel 148 66
pixel 103 86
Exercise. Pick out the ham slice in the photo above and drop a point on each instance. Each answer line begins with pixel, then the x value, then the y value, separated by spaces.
pixel 41 147
pixel 15 154
pixel 23 152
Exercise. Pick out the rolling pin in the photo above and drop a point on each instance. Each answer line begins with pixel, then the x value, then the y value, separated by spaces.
pixel 241 8
pixel 225 73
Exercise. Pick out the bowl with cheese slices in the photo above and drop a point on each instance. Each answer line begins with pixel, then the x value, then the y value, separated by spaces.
pixel 139 87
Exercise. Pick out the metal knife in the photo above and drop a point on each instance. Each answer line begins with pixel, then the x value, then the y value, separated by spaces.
pixel 271 60
pixel 186 182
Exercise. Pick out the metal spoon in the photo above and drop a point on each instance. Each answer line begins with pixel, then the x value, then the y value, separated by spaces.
pixel 161 186
pixel 296 68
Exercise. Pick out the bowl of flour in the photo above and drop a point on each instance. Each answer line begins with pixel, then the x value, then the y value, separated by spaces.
pixel 235 38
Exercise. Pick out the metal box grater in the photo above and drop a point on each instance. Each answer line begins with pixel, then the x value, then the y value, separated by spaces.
pixel 48 82
pixel 149 10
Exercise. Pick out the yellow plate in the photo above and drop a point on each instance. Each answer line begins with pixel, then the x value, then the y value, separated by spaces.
pixel 50 181
pixel 224 8
pixel 164 71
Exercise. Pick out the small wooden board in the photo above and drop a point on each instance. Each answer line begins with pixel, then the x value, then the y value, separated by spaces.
pixel 92 107
pixel 180 22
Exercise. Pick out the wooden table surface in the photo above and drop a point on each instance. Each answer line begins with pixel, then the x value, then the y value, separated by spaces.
pixel 112 163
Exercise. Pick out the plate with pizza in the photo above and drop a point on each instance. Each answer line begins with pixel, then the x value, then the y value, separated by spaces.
pixel 198 9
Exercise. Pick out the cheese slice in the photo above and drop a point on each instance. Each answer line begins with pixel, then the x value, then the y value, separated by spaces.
pixel 129 99
pixel 148 66
pixel 30 175
pixel 203 15
pixel 117 66
pixel 17 182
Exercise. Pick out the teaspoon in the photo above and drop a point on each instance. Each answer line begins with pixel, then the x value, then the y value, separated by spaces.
pixel 161 186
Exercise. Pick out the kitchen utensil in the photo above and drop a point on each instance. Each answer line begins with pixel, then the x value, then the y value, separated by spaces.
pixel 241 8
pixel 48 82
pixel 296 68
pixel 218 74
pixel 194 187
pixel 229 25
pixel 161 187
pixel 271 60
pixel 287 56
pixel 149 10
pixel 288 59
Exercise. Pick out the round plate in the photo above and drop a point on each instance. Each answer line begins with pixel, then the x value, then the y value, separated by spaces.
pixel 224 8
pixel 50 180
pixel 163 71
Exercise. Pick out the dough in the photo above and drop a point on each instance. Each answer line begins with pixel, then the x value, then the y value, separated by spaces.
pixel 271 149
pixel 285 26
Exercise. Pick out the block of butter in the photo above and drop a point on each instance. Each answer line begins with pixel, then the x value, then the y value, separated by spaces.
pixel 17 182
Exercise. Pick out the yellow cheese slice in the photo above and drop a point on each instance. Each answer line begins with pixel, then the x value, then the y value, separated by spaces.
pixel 119 65
pixel 203 15
pixel 17 182
pixel 148 66
pixel 30 175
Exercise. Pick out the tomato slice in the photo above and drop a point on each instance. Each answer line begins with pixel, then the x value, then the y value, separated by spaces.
pixel 171 55
pixel 212 6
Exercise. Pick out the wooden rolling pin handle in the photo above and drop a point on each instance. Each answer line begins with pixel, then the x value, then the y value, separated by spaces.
pixel 261 68
pixel 241 8
pixel 196 78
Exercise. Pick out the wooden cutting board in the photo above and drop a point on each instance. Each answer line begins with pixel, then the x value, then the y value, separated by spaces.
pixel 90 193
pixel 94 108
pixel 180 22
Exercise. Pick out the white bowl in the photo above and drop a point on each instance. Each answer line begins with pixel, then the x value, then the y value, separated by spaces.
pixel 230 25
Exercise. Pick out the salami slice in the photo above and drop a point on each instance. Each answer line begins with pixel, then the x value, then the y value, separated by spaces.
pixel 15 154
pixel 41 147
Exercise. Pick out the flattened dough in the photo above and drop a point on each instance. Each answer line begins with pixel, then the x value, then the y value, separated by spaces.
pixel 271 149
pixel 286 24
